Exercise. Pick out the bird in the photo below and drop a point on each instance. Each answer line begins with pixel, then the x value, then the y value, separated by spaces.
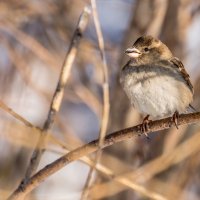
pixel 156 83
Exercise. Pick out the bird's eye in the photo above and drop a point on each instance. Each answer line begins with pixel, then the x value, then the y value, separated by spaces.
pixel 146 49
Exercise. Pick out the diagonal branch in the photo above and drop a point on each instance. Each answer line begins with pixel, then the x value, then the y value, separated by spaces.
pixel 7 109
pixel 101 168
pixel 91 147
pixel 143 174
pixel 58 94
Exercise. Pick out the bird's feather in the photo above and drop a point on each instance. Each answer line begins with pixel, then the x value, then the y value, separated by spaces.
pixel 184 73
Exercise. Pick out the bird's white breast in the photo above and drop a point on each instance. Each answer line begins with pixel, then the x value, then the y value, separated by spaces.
pixel 155 94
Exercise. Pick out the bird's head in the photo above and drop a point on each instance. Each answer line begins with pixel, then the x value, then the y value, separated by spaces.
pixel 148 49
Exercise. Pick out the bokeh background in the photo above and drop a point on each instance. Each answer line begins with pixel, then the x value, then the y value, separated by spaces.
pixel 35 36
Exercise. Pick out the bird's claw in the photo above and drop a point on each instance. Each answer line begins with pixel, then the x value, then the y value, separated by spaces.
pixel 175 118
pixel 144 128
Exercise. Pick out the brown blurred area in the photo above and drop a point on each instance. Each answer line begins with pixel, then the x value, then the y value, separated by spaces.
pixel 35 36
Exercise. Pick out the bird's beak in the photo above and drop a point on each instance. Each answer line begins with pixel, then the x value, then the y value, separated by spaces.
pixel 133 52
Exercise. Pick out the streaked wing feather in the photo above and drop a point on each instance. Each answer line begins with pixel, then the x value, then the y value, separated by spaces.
pixel 190 109
pixel 184 73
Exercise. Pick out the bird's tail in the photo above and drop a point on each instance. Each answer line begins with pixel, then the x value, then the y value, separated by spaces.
pixel 190 109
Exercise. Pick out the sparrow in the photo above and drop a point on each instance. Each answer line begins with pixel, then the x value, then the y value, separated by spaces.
pixel 155 81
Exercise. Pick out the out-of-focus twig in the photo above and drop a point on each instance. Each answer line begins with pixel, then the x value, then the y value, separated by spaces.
pixel 24 71
pixel 58 95
pixel 159 12
pixel 106 103
pixel 111 139
pixel 4 107
pixel 30 43
pixel 88 98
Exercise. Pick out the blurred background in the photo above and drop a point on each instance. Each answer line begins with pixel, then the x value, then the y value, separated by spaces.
pixel 35 36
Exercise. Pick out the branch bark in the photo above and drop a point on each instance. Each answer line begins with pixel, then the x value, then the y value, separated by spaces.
pixel 93 146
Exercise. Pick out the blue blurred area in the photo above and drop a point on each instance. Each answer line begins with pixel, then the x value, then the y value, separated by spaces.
pixel 114 17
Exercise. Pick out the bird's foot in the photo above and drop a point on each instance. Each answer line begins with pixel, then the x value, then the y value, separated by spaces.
pixel 175 118
pixel 145 126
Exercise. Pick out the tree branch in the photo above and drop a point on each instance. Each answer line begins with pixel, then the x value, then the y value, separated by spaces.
pixel 106 100
pixel 58 94
pixel 91 147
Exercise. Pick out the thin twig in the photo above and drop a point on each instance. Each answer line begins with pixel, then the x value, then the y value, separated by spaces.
pixel 24 71
pixel 159 13
pixel 58 94
pixel 30 43
pixel 4 107
pixel 106 104
pixel 91 147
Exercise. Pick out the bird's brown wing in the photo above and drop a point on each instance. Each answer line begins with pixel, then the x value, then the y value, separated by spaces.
pixel 184 73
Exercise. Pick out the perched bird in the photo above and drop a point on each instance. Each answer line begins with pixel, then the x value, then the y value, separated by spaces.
pixel 155 81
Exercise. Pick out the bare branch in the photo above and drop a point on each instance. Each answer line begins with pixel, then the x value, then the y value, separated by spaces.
pixel 143 174
pixel 4 107
pixel 101 168
pixel 111 139
pixel 58 95
pixel 106 103
pixel 126 182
